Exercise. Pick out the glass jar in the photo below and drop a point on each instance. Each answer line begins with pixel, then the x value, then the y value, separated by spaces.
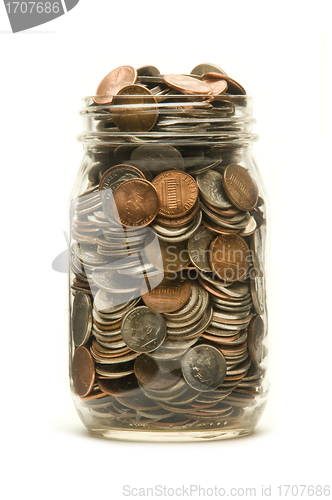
pixel 168 317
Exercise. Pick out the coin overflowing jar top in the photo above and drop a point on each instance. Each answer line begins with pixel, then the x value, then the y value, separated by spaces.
pixel 167 318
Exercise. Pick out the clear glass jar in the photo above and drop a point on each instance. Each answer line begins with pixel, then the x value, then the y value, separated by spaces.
pixel 168 329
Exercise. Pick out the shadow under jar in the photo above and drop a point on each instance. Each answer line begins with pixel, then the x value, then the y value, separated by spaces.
pixel 168 329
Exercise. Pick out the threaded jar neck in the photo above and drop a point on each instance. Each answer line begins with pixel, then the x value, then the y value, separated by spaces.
pixel 174 119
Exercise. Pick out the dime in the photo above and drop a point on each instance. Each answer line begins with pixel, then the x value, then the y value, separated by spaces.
pixel 240 187
pixel 168 296
pixel 257 290
pixel 177 192
pixel 230 257
pixel 210 184
pixel 121 172
pixel 81 318
pixel 187 84
pixel 136 202
pixel 83 371
pixel 133 116
pixel 204 368
pixel 143 330
pixel 113 82
pixel 198 248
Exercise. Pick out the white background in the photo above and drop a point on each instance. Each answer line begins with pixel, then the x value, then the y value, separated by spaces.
pixel 281 53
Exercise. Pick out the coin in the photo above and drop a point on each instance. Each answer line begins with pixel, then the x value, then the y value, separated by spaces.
pixel 113 82
pixel 230 257
pixel 204 368
pixel 201 69
pixel 113 282
pixel 168 296
pixel 148 71
pixel 81 319
pixel 210 184
pixel 177 192
pixel 122 172
pixel 198 248
pixel 138 113
pixel 186 84
pixel 143 330
pixel 165 256
pixel 240 187
pixel 83 371
pixel 158 158
pixel 137 202
pixel 217 85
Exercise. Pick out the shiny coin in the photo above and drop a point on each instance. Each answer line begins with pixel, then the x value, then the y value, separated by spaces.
pixel 143 330
pixel 204 368
pixel 230 256
pixel 169 296
pixel 177 192
pixel 240 187
pixel 137 112
pixel 210 184
pixel 83 371
pixel 113 82
pixel 217 85
pixel 136 202
pixel 257 290
pixel 186 84
pixel 198 248
pixel 81 319
pixel 256 334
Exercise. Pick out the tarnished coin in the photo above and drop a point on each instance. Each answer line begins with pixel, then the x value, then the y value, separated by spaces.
pixel 203 68
pixel 177 192
pixel 187 84
pixel 135 110
pixel 204 367
pixel 155 375
pixel 210 184
pixel 169 296
pixel 83 371
pixel 199 248
pixel 137 202
pixel 143 330
pixel 240 187
pixel 230 257
pixel 113 82
pixel 81 318
pixel 118 173
pixel 256 332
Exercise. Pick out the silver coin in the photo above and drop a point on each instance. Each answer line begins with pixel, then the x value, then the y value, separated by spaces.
pixel 81 319
pixel 88 254
pixel 190 333
pixel 199 248
pixel 158 158
pixel 143 330
pixel 113 282
pixel 210 184
pixel 250 227
pixel 177 239
pixel 204 368
pixel 193 316
pixel 257 291
pixel 187 307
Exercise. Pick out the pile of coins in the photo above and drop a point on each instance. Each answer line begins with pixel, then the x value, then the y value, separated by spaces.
pixel 168 314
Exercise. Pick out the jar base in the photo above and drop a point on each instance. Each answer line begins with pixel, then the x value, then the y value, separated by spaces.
pixel 172 436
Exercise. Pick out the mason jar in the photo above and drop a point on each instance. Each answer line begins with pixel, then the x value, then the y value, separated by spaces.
pixel 168 316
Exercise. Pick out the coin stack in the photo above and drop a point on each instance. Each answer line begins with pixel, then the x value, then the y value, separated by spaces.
pixel 168 316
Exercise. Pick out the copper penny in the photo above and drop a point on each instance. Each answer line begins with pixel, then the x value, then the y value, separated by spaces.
pixel 168 257
pixel 177 191
pixel 240 187
pixel 233 87
pixel 187 84
pixel 256 332
pixel 143 114
pixel 179 221
pixel 83 371
pixel 137 202
pixel 155 375
pixel 113 82
pixel 230 257
pixel 217 85
pixel 169 296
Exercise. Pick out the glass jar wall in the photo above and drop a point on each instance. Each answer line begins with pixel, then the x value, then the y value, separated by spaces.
pixel 168 317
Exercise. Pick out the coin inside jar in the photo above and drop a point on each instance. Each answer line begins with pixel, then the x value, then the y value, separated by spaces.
pixel 230 257
pixel 83 370
pixel 240 187
pixel 168 296
pixel 136 202
pixel 137 113
pixel 204 368
pixel 177 192
pixel 81 318
pixel 113 82
pixel 143 330
pixel 255 339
